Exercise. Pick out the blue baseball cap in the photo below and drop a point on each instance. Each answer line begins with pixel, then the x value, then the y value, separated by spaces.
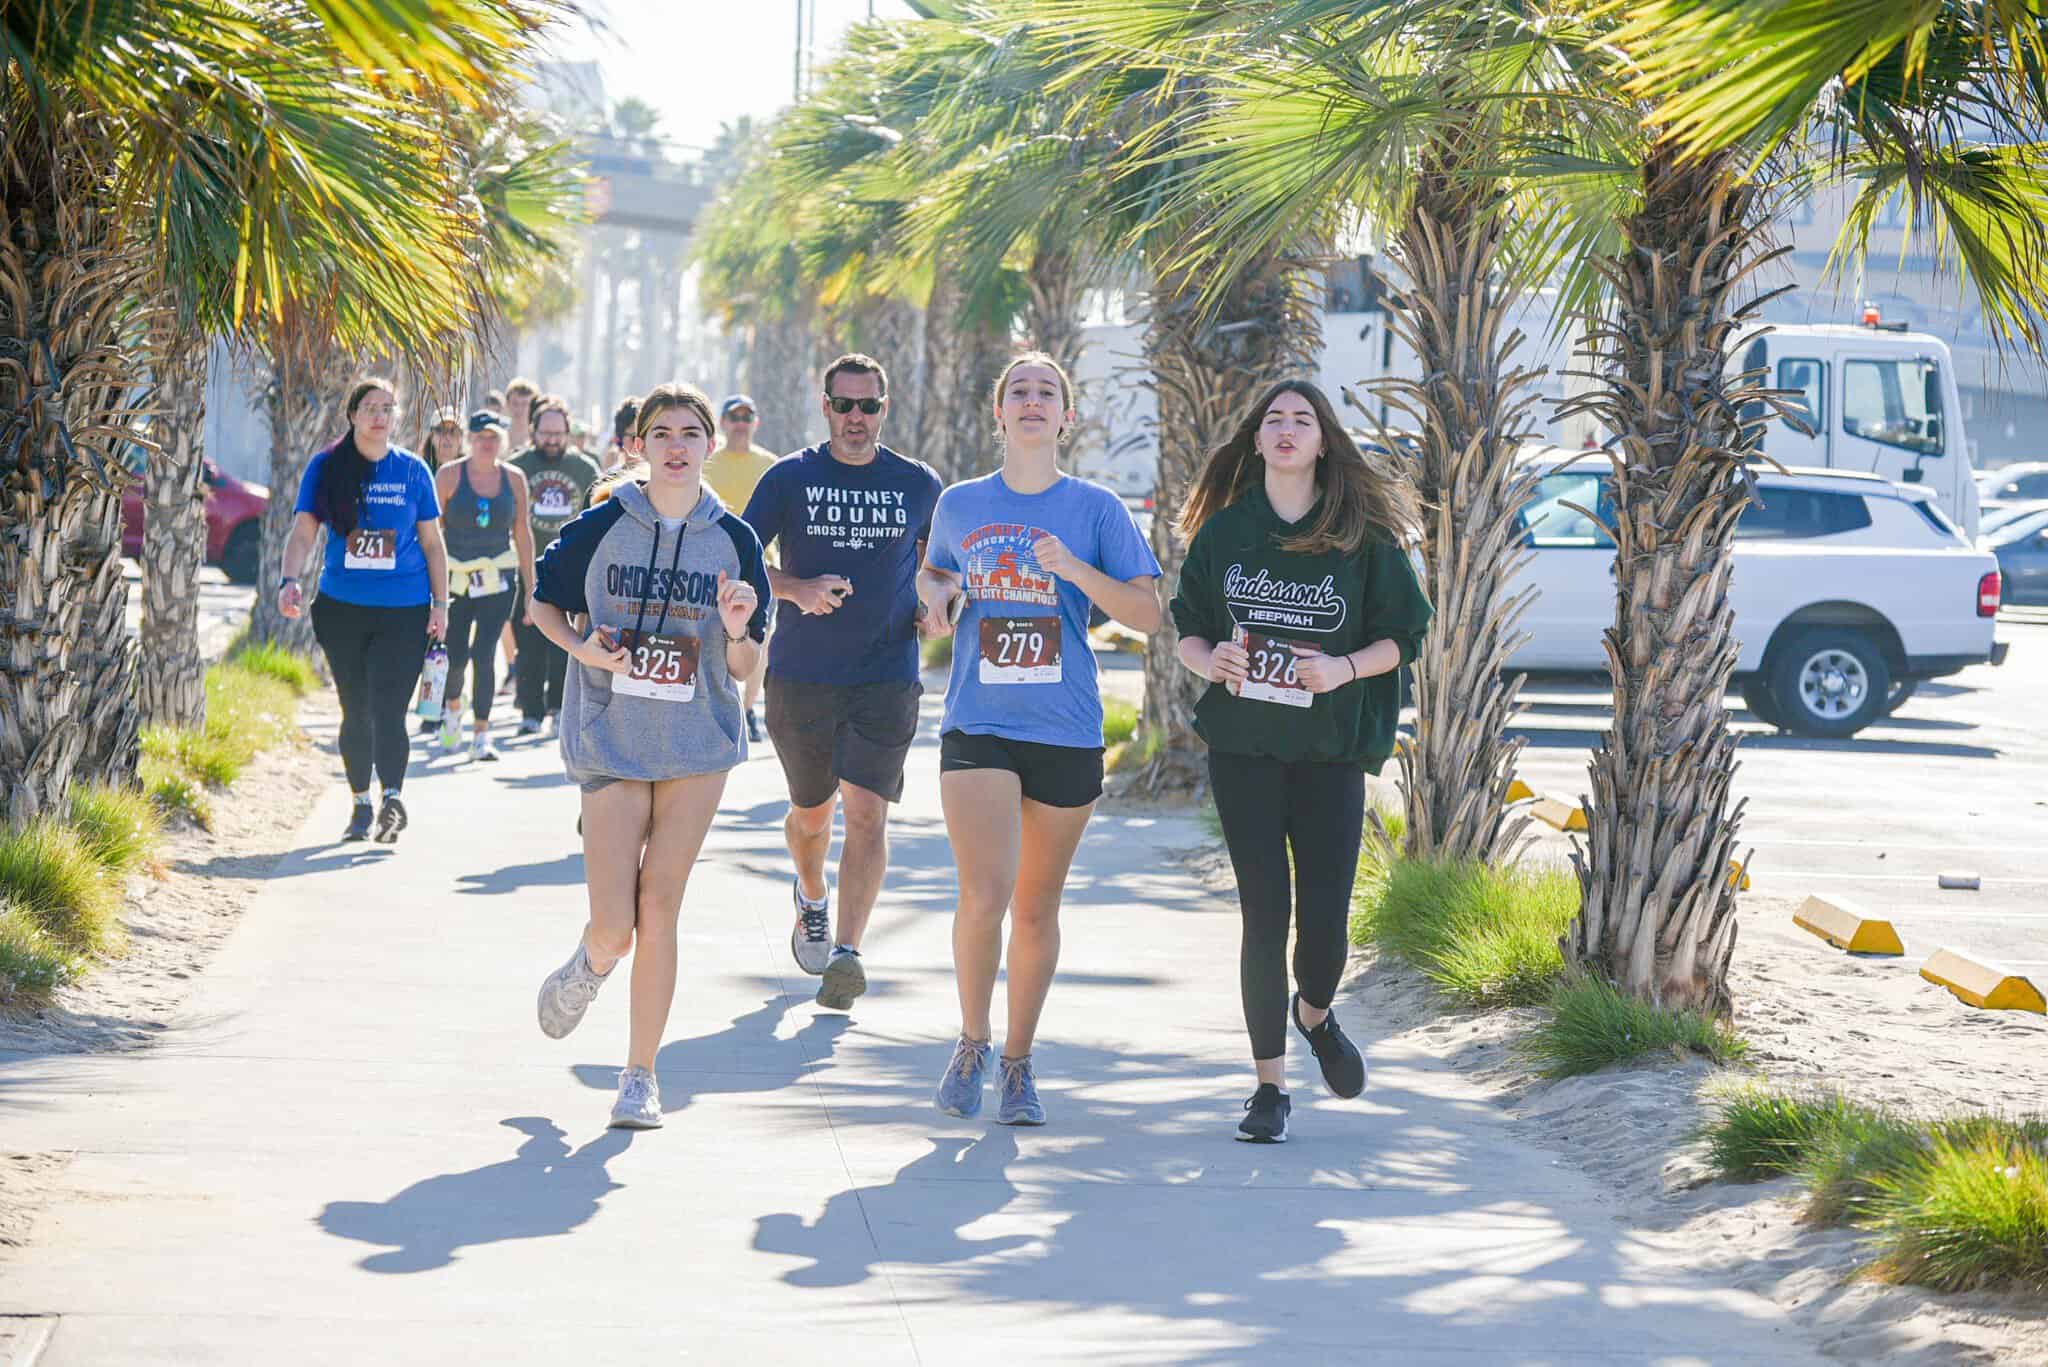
pixel 737 401
pixel 484 419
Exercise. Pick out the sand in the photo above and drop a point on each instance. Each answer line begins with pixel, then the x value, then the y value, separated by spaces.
pixel 1813 1015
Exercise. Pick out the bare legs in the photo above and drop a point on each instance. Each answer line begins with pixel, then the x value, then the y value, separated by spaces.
pixel 863 858
pixel 639 843
pixel 1013 855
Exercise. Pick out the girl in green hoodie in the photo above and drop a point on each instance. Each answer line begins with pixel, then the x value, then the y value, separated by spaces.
pixel 1298 603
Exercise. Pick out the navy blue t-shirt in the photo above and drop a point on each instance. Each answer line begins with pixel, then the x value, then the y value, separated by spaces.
pixel 865 523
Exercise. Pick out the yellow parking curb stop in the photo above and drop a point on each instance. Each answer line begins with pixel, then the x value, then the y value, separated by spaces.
pixel 1551 812
pixel 1519 791
pixel 1842 924
pixel 1738 876
pixel 1981 983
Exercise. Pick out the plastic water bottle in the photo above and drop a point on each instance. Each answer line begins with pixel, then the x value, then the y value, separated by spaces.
pixel 433 681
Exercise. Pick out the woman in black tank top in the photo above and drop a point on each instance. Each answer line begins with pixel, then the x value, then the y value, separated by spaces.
pixel 490 554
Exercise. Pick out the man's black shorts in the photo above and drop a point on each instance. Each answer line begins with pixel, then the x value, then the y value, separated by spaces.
pixel 1056 775
pixel 825 733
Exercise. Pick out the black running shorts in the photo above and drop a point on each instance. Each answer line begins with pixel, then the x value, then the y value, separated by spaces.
pixel 828 733
pixel 1056 775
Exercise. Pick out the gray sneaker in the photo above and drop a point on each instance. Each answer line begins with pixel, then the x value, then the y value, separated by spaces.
pixel 845 979
pixel 810 939
pixel 960 1089
pixel 639 1103
pixel 1019 1104
pixel 567 994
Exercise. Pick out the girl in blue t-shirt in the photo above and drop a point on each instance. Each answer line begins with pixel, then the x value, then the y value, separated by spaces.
pixel 1014 562
pixel 383 591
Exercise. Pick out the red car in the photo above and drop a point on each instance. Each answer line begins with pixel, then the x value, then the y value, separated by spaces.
pixel 234 523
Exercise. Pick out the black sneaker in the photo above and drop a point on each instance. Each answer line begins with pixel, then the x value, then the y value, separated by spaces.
pixel 1343 1066
pixel 390 820
pixel 754 731
pixel 358 823
pixel 1265 1116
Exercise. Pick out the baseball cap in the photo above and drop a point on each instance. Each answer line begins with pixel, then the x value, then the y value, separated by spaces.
pixel 736 401
pixel 484 419
pixel 446 417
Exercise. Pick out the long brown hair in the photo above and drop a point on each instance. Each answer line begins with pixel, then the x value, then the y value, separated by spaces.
pixel 1356 499
pixel 338 499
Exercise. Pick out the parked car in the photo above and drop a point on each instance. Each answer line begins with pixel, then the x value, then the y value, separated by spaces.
pixel 2021 546
pixel 2009 484
pixel 1995 518
pixel 234 523
pixel 1848 590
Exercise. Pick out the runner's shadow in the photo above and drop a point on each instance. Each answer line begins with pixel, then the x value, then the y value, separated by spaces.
pixel 545 1189
pixel 566 871
pixel 745 1057
pixel 843 1252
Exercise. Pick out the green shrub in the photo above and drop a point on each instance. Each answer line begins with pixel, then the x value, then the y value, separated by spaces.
pixel 32 965
pixel 172 791
pixel 1859 1148
pixel 273 661
pixel 1961 1214
pixel 50 874
pixel 1487 936
pixel 1119 721
pixel 1591 1025
pixel 119 825
pixel 1757 1133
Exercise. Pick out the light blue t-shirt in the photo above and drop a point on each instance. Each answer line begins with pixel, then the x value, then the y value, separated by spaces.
pixel 397 497
pixel 1022 666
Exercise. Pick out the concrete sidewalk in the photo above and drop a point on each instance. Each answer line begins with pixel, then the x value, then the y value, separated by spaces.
pixel 363 1150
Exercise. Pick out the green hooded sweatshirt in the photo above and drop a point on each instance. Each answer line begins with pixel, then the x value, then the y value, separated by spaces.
pixel 1237 577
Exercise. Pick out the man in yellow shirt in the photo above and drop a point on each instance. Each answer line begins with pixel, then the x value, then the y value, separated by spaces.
pixel 732 472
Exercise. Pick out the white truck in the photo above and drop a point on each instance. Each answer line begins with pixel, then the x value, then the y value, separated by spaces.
pixel 1878 399
pixel 1848 590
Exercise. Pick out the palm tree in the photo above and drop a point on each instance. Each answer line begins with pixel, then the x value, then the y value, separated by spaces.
pixel 222 157
pixel 1658 916
pixel 1404 121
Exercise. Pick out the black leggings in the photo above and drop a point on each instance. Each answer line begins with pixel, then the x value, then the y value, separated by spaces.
pixel 1319 809
pixel 375 656
pixel 473 628
pixel 543 672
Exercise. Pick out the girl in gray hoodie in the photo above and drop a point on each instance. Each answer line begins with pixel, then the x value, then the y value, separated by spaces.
pixel 659 596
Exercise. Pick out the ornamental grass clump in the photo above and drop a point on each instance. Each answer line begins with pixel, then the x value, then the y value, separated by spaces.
pixel 1488 937
pixel 1591 1025
pixel 120 826
pixel 51 875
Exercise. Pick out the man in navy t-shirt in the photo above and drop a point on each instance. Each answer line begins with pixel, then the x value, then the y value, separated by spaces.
pixel 851 518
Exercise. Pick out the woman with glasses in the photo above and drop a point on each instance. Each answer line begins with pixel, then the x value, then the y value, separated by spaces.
pixel 490 553
pixel 383 592
pixel 444 439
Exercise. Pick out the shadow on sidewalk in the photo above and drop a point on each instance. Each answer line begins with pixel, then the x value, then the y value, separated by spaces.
pixel 843 1252
pixel 545 1189
pixel 745 1057
pixel 564 872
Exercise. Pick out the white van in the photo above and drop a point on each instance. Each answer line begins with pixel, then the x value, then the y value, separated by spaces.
pixel 1879 401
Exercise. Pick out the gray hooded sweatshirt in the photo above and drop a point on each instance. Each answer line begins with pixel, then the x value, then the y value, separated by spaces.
pixel 622 568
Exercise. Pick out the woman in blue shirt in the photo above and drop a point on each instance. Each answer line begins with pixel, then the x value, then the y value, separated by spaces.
pixel 383 591
pixel 1014 561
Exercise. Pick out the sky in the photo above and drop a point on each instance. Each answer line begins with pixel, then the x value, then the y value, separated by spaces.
pixel 703 63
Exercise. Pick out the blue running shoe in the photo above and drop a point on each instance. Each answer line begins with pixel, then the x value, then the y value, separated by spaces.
pixel 960 1089
pixel 1019 1104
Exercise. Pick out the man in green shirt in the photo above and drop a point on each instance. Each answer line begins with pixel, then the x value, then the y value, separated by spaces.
pixel 557 479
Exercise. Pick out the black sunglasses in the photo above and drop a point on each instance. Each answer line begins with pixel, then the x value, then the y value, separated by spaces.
pixel 867 406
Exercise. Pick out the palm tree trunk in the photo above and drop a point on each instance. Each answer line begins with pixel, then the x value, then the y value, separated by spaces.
pixel 1659 912
pixel 303 401
pixel 1054 290
pixel 781 379
pixel 1207 372
pixel 171 686
pixel 1470 407
pixel 68 378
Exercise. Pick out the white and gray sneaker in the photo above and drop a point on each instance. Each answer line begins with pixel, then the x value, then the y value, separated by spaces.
pixel 639 1103
pixel 810 939
pixel 845 979
pixel 568 993
pixel 481 748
